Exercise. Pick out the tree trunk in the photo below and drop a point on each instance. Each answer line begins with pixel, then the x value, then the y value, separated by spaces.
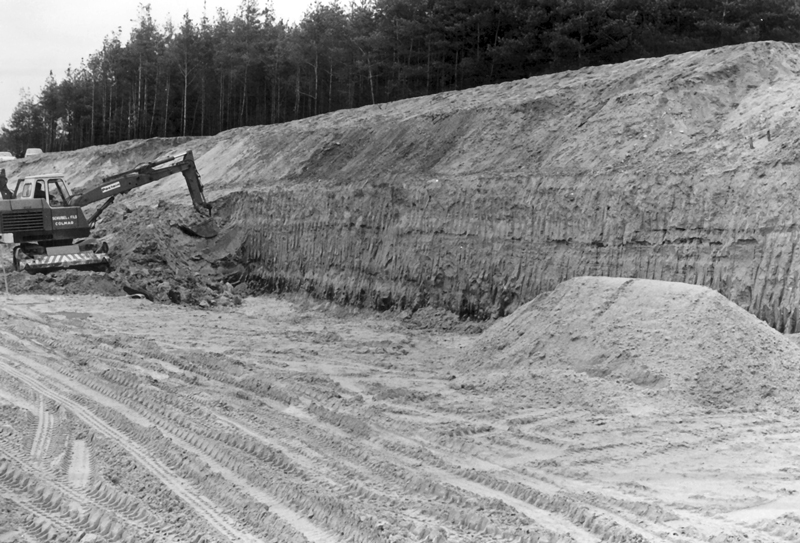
pixel 91 130
pixel 455 71
pixel 221 102
pixel 185 92
pixel 275 95
pixel 316 82
pixel 166 108
pixel 330 86
pixel 139 93
pixel 371 87
pixel 110 127
pixel 428 74
pixel 351 89
pixel 103 125
pixel 203 104
pixel 297 94
pixel 131 116
pixel 194 118
pixel 142 126
pixel 153 130
pixel 496 40
pixel 243 111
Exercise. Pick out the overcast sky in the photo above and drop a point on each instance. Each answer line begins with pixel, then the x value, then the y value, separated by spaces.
pixel 43 35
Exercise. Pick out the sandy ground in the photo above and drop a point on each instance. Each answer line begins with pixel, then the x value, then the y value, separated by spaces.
pixel 290 420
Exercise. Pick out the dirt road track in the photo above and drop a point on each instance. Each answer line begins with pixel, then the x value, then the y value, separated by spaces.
pixel 277 421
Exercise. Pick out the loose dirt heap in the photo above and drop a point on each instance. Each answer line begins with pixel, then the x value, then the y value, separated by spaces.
pixel 597 338
pixel 680 168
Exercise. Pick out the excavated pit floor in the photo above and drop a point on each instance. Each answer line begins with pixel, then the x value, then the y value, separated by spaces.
pixel 294 420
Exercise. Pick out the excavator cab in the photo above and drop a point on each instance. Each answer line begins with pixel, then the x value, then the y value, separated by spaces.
pixel 50 188
pixel 48 232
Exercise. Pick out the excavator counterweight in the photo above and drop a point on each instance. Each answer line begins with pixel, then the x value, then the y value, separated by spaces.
pixel 47 225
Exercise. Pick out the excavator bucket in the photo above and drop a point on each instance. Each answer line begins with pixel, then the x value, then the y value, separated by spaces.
pixel 203 229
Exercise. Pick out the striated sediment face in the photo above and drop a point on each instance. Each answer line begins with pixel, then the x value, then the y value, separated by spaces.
pixel 681 168
pixel 481 200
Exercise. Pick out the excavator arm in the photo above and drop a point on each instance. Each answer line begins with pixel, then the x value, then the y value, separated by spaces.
pixel 142 175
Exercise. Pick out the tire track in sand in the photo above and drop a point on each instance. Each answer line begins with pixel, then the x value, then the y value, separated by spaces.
pixel 23 478
pixel 296 520
pixel 44 429
pixel 176 484
pixel 292 518
pixel 56 511
pixel 80 466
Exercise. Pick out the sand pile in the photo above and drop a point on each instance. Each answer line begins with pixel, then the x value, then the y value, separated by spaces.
pixel 643 337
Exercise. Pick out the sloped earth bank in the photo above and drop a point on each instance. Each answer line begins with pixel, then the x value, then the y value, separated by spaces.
pixel 681 168
pixel 122 420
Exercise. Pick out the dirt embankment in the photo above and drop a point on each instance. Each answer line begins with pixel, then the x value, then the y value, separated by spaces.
pixel 680 168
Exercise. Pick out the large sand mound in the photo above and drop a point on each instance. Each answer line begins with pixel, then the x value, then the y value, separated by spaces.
pixel 642 336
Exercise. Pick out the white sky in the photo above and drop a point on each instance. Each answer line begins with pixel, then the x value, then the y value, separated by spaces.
pixel 43 35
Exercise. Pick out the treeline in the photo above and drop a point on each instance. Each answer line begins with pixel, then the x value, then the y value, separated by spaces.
pixel 213 74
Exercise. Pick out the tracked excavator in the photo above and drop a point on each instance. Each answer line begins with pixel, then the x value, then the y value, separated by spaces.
pixel 46 224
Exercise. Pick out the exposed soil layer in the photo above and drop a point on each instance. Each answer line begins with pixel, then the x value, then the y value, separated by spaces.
pixel 123 420
pixel 680 168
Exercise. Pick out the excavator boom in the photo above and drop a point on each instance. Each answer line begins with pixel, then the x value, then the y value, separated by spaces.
pixel 148 173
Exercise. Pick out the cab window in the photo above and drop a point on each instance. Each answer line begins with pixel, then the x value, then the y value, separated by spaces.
pixel 55 193
pixel 38 192
pixel 26 190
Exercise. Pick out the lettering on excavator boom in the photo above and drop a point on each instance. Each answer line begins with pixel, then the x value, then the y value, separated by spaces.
pixel 110 187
